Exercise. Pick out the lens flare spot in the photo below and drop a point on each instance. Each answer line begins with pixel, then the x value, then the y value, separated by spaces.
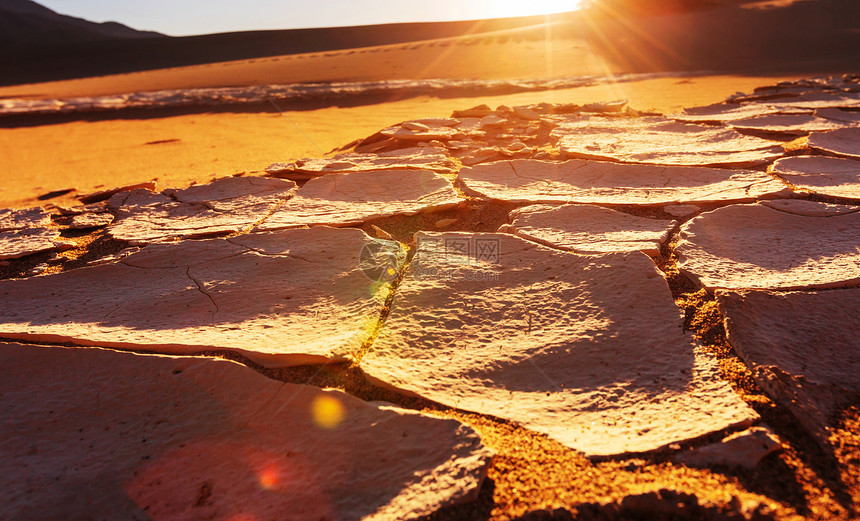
pixel 270 478
pixel 327 411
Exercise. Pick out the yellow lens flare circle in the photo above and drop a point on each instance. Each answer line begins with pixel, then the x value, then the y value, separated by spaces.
pixel 327 412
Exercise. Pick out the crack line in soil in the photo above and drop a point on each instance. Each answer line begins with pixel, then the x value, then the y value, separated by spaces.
pixel 367 345
pixel 202 288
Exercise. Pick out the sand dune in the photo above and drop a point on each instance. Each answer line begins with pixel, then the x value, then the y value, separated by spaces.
pixel 30 63
pixel 508 54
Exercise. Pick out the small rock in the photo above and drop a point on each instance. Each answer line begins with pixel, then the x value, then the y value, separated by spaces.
pixel 90 220
pixel 444 223
pixel 605 106
pixel 379 232
pixel 681 210
pixel 471 129
pixel 743 449
pixel 492 121
pixel 137 198
pixel 37 270
pixel 377 143
pixel 566 108
pixel 459 145
pixel 412 125
pixel 526 113
pixel 475 112
pixel 481 155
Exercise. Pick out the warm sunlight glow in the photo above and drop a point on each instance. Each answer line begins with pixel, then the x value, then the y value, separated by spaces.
pixel 505 8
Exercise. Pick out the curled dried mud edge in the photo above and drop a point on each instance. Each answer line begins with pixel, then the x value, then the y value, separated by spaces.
pixel 534 474
pixel 804 474
pixel 90 245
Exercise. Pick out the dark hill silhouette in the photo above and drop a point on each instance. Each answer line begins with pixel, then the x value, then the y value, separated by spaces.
pixel 24 23
pixel 77 59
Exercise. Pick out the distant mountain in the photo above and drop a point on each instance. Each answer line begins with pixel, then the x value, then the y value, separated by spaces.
pixel 24 24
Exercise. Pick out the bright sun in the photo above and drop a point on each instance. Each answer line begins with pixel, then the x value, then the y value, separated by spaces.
pixel 505 8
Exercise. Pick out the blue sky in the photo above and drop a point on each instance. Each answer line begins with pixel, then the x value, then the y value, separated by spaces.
pixel 186 17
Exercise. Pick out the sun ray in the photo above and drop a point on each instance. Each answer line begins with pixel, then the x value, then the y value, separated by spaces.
pixel 506 8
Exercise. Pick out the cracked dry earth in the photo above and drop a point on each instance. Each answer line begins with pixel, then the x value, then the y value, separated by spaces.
pixel 538 312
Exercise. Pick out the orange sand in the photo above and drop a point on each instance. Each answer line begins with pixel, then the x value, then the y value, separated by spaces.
pixel 93 155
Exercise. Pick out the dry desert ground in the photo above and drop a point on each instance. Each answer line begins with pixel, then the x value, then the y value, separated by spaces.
pixel 631 298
